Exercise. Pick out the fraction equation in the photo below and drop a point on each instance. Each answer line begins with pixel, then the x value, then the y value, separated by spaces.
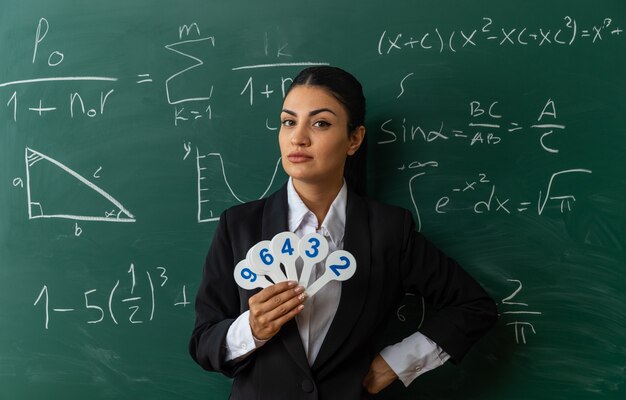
pixel 486 126
pixel 73 103
pixel 517 311
pixel 191 96
pixel 131 303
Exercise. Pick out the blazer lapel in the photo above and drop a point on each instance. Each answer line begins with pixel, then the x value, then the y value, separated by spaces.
pixel 275 214
pixel 354 290
pixel 275 221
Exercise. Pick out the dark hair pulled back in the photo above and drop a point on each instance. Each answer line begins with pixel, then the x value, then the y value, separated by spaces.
pixel 349 92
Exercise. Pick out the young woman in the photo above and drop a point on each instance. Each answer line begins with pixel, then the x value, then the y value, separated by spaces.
pixel 278 344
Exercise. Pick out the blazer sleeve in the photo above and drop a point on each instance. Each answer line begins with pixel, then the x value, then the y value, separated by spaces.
pixel 464 311
pixel 217 306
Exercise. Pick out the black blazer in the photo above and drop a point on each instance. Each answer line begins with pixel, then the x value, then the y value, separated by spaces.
pixel 392 260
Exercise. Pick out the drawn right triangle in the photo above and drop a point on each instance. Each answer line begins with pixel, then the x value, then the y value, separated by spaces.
pixel 56 191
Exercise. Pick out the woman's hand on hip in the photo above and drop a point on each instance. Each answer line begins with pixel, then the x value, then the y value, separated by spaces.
pixel 273 307
pixel 379 376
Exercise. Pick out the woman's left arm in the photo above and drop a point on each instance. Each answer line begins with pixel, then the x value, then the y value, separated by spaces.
pixel 464 312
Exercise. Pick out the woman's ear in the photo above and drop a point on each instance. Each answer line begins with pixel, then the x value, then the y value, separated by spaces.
pixel 355 139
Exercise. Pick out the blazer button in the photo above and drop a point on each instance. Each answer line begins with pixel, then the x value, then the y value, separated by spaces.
pixel 307 386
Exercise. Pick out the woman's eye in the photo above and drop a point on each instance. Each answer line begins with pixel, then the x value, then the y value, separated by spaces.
pixel 288 122
pixel 321 124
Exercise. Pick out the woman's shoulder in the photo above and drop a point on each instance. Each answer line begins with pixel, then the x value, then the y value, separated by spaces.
pixel 244 211
pixel 389 224
pixel 252 211
pixel 387 213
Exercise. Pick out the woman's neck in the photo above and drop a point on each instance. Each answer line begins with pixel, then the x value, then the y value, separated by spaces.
pixel 318 197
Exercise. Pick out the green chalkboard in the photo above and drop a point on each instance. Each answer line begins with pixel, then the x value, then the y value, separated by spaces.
pixel 127 127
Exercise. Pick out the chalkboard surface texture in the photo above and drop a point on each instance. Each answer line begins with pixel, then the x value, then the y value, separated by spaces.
pixel 128 127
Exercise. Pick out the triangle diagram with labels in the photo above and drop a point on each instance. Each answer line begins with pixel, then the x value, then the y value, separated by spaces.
pixel 56 191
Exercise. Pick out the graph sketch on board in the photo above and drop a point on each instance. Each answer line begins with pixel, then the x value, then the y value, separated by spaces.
pixel 208 193
pixel 57 205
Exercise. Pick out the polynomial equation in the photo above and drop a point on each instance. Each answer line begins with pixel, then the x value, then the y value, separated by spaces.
pixel 567 33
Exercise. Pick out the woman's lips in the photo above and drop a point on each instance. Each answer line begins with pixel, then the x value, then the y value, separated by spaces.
pixel 297 157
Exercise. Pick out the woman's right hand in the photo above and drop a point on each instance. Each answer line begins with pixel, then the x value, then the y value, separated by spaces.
pixel 273 307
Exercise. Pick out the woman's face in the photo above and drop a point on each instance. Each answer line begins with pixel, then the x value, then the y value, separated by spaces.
pixel 313 137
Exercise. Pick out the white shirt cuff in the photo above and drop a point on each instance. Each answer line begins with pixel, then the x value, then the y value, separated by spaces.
pixel 240 341
pixel 413 356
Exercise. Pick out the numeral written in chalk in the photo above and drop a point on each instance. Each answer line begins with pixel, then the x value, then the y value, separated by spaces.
pixel 267 90
pixel 144 78
pixel 97 303
pixel 519 315
pixel 76 105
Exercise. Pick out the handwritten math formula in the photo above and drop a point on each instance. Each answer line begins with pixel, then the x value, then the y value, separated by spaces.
pixel 127 131
pixel 517 311
pixel 198 83
pixel 73 103
pixel 489 32
pixel 130 301
pixel 486 126
pixel 562 201
pixel 462 197
pixel 193 99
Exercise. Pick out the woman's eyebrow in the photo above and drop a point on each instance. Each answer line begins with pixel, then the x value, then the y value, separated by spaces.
pixel 314 112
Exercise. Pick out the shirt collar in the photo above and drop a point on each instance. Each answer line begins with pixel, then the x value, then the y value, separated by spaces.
pixel 335 222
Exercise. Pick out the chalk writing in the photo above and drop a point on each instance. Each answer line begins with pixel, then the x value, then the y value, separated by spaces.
pixel 75 104
pixel 38 209
pixel 485 127
pixel 56 57
pixel 206 183
pixel 41 106
pixel 494 201
pixel 409 300
pixel 520 325
pixel 197 102
pixel 488 32
pixel 119 302
pixel 266 91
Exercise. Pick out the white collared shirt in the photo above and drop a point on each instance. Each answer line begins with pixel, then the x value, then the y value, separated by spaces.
pixel 410 358
pixel 319 310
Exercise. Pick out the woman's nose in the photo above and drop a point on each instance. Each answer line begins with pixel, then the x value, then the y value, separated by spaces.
pixel 300 136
